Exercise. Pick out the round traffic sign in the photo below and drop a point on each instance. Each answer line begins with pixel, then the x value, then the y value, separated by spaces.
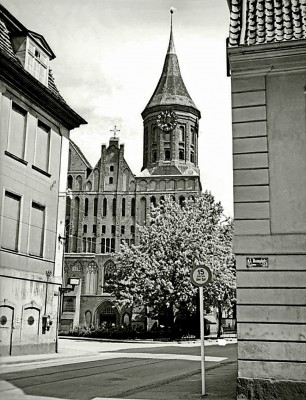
pixel 200 275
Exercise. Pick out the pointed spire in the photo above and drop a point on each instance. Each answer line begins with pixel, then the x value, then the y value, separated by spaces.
pixel 171 90
pixel 171 48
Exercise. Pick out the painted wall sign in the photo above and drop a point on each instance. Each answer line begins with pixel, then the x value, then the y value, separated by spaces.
pixel 257 262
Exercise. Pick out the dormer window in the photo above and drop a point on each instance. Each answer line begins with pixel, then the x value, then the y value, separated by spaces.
pixel 38 63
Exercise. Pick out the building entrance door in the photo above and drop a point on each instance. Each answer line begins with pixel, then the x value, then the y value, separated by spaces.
pixel 107 320
pixel 107 315
pixel 6 329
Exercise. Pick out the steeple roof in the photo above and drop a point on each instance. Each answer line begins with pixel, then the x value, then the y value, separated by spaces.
pixel 171 89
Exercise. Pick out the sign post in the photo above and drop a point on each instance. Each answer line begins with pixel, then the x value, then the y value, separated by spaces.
pixel 200 276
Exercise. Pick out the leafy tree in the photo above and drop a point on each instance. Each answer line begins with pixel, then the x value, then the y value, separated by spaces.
pixel 156 272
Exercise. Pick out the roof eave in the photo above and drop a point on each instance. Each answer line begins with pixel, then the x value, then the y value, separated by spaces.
pixel 16 76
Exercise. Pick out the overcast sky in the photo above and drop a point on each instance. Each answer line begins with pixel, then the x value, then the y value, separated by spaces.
pixel 109 58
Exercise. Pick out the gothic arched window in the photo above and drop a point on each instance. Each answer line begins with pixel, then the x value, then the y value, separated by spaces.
pixel 86 208
pixel 123 207
pixel 95 207
pixel 153 201
pixel 143 211
pixel 133 207
pixel 104 207
pixel 91 278
pixel 114 207
pixel 79 182
pixel 69 182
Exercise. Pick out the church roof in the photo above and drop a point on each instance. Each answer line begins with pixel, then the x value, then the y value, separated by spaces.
pixel 171 89
pixel 266 21
pixel 80 153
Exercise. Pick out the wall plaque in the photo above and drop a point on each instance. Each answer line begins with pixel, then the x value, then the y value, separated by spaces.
pixel 257 262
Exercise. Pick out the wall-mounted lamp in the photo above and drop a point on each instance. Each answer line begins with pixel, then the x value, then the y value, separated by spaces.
pixel 60 237
pixel 72 283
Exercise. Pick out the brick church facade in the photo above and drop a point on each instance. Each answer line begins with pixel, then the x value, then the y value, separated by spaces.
pixel 106 203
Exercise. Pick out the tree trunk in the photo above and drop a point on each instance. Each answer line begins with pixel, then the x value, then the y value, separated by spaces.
pixel 219 320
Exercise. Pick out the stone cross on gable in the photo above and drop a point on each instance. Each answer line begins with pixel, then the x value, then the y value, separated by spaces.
pixel 115 130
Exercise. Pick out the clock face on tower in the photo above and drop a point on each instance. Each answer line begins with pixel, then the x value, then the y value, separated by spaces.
pixel 166 120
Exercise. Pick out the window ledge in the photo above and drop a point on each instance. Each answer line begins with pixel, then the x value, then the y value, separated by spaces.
pixel 41 171
pixel 16 157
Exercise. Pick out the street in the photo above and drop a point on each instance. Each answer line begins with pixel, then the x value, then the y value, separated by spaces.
pixel 153 370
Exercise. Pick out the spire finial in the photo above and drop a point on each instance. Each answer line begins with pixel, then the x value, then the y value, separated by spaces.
pixel 171 48
pixel 115 130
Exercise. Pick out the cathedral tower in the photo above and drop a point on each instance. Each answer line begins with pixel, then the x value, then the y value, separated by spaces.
pixel 170 123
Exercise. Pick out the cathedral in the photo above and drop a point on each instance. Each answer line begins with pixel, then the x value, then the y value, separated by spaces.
pixel 107 203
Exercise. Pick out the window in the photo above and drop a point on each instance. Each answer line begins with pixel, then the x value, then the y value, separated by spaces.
pixel 133 202
pixel 42 147
pixel 111 168
pixel 154 156
pixel 79 182
pixel 113 229
pixel 122 229
pixel 132 230
pixel 154 135
pixel 84 228
pixel 111 180
pixel 88 244
pixel 112 245
pixel 167 155
pixel 182 134
pixel 68 206
pixel 153 201
pixel 114 207
pixel 94 229
pixel 88 172
pixel 181 201
pixel 17 135
pixel 69 182
pixel 11 221
pixel 181 154
pixel 37 230
pixel 192 136
pixel 104 207
pixel 103 229
pixel 95 207
pixel 93 243
pixel 123 207
pixel 86 208
pixel 191 156
pixel 103 246
pixel 107 249
pixel 91 281
pixel 38 63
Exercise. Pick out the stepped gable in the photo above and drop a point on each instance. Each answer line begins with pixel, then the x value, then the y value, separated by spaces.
pixel 266 21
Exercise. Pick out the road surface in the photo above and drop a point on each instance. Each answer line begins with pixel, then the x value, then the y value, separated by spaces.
pixel 133 371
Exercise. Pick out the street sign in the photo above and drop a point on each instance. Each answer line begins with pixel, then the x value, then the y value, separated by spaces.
pixel 257 262
pixel 200 275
